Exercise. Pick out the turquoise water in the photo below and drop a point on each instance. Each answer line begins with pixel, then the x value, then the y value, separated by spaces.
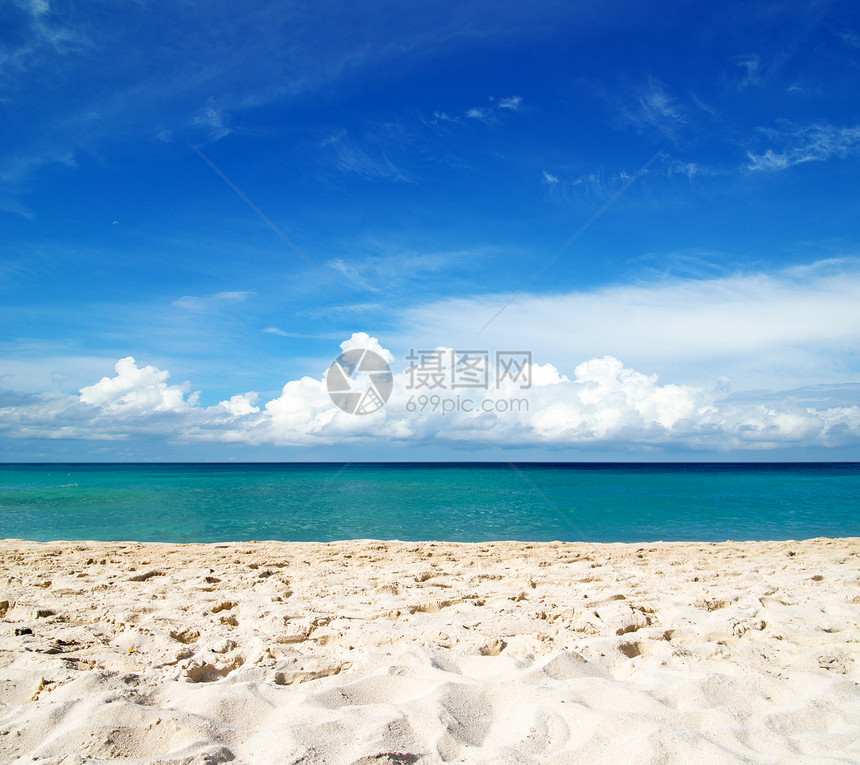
pixel 455 502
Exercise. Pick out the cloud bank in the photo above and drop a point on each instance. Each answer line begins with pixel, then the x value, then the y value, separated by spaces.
pixel 793 327
pixel 604 402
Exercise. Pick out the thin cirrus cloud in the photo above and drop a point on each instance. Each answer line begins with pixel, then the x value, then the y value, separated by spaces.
pixel 161 66
pixel 16 170
pixel 351 158
pixel 489 114
pixel 403 269
pixel 650 108
pixel 811 143
pixel 195 303
pixel 595 184
pixel 600 184
pixel 214 120
pixel 16 207
pixel 43 37
pixel 603 403
pixel 751 64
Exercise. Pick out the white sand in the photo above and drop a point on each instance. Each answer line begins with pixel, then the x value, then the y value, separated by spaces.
pixel 372 652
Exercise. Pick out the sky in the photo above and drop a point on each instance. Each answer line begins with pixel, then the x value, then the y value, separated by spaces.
pixel 203 204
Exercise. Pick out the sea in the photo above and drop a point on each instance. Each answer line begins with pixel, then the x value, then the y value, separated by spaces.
pixel 458 502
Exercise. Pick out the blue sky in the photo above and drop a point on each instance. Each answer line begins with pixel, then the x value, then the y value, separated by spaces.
pixel 428 161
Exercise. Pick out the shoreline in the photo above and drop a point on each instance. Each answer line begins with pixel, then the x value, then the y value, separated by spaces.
pixel 365 651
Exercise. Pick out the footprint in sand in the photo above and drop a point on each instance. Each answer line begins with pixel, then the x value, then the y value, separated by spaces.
pixel 467 716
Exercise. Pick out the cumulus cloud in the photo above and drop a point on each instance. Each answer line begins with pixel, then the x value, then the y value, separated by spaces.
pixel 241 404
pixel 602 402
pixel 136 389
pixel 605 402
pixel 363 341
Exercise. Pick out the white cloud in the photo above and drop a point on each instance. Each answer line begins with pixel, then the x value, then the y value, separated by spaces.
pixel 196 303
pixel 794 327
pixel 363 341
pixel 43 34
pixel 769 161
pixel 690 169
pixel 512 103
pixel 813 143
pixel 35 7
pixel 394 266
pixel 602 402
pixel 16 207
pixel 235 295
pixel 140 390
pixel 189 301
pixel 653 109
pixel 477 113
pixel 241 404
pixel 17 169
pixel 752 66
pixel 215 120
pixel 350 158
pixel 489 114
pixel 594 185
pixel 600 184
pixel 656 105
pixel 38 367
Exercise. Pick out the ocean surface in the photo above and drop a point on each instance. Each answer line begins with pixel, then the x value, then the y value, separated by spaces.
pixel 463 502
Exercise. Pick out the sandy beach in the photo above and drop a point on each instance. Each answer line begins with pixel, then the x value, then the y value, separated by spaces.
pixel 366 652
